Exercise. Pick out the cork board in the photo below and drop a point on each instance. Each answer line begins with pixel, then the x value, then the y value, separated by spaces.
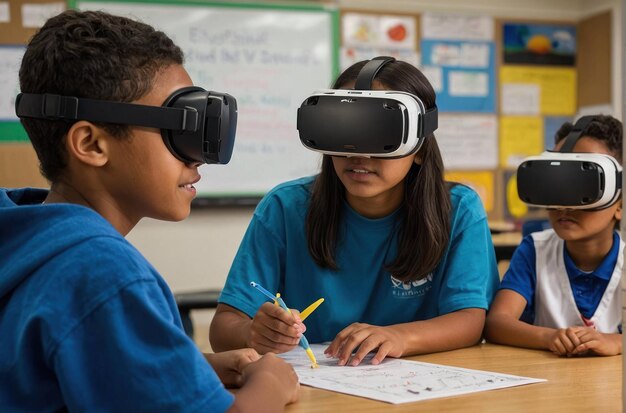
pixel 594 60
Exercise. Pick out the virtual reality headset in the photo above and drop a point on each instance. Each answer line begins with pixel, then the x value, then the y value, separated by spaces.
pixel 196 125
pixel 567 180
pixel 364 122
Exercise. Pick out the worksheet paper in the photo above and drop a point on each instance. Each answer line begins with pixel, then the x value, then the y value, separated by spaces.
pixel 396 380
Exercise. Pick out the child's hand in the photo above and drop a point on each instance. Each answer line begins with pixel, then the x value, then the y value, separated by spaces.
pixel 229 365
pixel 367 338
pixel 563 341
pixel 275 330
pixel 597 343
pixel 275 368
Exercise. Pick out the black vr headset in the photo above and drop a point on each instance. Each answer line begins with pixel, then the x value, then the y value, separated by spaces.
pixel 568 180
pixel 365 122
pixel 196 125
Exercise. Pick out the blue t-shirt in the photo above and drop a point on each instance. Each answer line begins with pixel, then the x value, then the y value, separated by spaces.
pixel 86 323
pixel 588 287
pixel 274 252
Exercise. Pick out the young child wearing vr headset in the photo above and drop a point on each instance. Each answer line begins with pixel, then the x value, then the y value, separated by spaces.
pixel 562 289
pixel 403 259
pixel 87 324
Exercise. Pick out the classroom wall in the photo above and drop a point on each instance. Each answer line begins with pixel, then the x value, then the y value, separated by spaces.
pixel 197 253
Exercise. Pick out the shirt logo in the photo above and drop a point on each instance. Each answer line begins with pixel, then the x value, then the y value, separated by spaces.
pixel 410 289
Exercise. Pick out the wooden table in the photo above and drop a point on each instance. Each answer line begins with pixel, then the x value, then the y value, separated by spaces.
pixel 586 384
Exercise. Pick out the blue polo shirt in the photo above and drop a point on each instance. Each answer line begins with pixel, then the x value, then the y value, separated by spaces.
pixel 274 252
pixel 588 287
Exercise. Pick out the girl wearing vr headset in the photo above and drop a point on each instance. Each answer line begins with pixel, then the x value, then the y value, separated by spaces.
pixel 562 289
pixel 85 320
pixel 403 259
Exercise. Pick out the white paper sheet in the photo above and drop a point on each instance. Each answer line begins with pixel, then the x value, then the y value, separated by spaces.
pixel 34 15
pixel 395 380
pixel 468 84
pixel 456 26
pixel 467 141
pixel 5 12
pixel 520 98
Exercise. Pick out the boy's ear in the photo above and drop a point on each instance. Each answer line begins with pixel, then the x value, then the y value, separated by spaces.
pixel 87 143
pixel 618 211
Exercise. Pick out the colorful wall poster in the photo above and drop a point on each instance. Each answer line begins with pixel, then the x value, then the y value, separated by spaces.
pixel 387 31
pixel 557 85
pixel 539 44
pixel 520 136
pixel 467 80
pixel 480 181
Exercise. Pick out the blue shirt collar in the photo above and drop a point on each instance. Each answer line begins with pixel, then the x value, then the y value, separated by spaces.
pixel 603 271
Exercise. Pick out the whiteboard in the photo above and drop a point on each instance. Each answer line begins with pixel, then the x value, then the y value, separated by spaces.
pixel 270 58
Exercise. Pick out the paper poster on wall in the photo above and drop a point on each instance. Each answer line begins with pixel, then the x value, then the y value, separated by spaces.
pixel 393 32
pixel 557 86
pixel 539 44
pixel 10 60
pixel 520 98
pixel 520 136
pixel 468 142
pixel 397 32
pixel 359 29
pixel 459 27
pixel 480 181
pixel 551 125
pixel 34 15
pixel 352 54
pixel 5 12
pixel 467 74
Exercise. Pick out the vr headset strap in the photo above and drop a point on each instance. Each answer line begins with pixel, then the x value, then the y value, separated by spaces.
pixel 430 123
pixel 56 107
pixel 575 134
pixel 368 72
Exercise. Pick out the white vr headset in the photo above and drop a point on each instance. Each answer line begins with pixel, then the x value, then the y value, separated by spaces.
pixel 568 180
pixel 364 122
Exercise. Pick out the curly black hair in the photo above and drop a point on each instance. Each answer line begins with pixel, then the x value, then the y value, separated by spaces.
pixel 603 128
pixel 89 54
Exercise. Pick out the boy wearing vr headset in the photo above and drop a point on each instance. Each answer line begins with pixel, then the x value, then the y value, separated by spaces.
pixel 85 320
pixel 403 259
pixel 562 289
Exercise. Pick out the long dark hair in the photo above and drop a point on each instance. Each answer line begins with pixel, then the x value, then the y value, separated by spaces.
pixel 425 230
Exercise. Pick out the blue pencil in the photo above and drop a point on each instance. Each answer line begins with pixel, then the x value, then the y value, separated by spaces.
pixel 304 343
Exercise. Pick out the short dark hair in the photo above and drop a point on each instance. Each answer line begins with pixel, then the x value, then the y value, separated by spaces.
pixel 603 128
pixel 425 231
pixel 94 55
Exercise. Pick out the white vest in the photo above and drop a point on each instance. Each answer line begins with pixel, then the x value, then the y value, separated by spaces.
pixel 555 306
